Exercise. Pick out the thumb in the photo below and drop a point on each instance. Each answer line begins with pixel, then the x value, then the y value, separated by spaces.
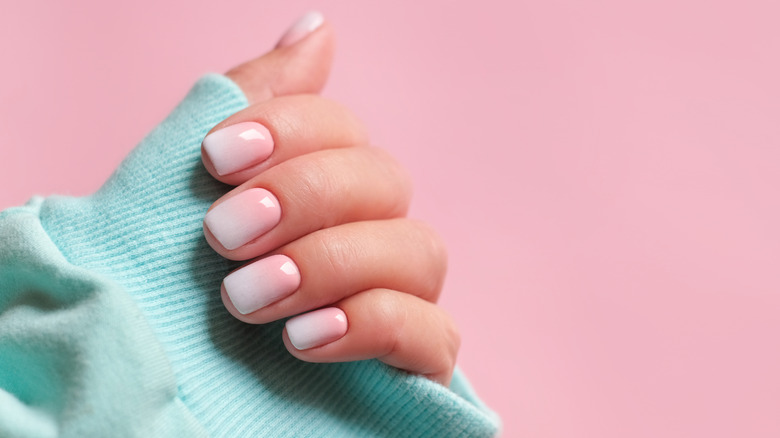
pixel 300 63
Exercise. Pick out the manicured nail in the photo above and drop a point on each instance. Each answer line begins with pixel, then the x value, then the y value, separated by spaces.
pixel 261 283
pixel 244 217
pixel 315 329
pixel 304 26
pixel 238 147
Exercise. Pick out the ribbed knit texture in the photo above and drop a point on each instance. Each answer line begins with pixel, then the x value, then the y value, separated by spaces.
pixel 140 236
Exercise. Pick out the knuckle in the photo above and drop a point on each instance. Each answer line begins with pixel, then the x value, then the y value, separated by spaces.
pixel 451 342
pixel 315 186
pixel 395 173
pixel 340 256
pixel 388 307
pixel 433 245
pixel 356 133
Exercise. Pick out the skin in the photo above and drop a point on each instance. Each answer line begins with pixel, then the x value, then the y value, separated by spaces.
pixel 343 220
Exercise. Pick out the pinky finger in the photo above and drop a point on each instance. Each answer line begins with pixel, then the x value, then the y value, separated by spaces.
pixel 399 329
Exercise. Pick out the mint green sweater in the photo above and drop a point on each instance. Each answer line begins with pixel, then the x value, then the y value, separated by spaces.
pixel 111 322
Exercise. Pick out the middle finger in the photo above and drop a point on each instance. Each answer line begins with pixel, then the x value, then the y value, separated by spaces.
pixel 305 194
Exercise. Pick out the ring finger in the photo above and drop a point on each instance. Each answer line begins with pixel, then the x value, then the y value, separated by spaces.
pixel 331 264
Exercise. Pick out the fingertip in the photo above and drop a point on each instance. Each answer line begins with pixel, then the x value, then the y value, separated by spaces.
pixel 398 329
pixel 300 67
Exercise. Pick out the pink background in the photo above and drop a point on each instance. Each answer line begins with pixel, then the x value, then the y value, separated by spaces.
pixel 606 176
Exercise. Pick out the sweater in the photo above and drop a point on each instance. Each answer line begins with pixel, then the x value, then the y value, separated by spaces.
pixel 112 325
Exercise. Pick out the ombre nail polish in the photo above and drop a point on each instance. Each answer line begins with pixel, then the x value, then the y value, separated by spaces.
pixel 307 24
pixel 244 217
pixel 261 283
pixel 238 147
pixel 317 328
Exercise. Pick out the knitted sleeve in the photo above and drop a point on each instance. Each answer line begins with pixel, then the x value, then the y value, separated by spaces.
pixel 111 322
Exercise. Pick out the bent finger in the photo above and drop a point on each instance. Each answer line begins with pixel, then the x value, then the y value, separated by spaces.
pixel 399 329
pixel 302 65
pixel 305 194
pixel 326 266
pixel 266 134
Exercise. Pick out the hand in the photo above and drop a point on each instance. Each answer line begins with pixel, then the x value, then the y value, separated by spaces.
pixel 322 215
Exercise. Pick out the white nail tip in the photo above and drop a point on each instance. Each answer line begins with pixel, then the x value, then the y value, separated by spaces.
pixel 307 24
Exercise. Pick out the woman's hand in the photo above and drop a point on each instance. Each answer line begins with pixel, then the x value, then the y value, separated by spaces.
pixel 321 214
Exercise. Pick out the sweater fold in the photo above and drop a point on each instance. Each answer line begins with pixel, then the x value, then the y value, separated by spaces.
pixel 111 321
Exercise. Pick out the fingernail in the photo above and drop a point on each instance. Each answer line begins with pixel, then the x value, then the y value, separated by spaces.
pixel 244 217
pixel 261 283
pixel 304 26
pixel 315 329
pixel 238 147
